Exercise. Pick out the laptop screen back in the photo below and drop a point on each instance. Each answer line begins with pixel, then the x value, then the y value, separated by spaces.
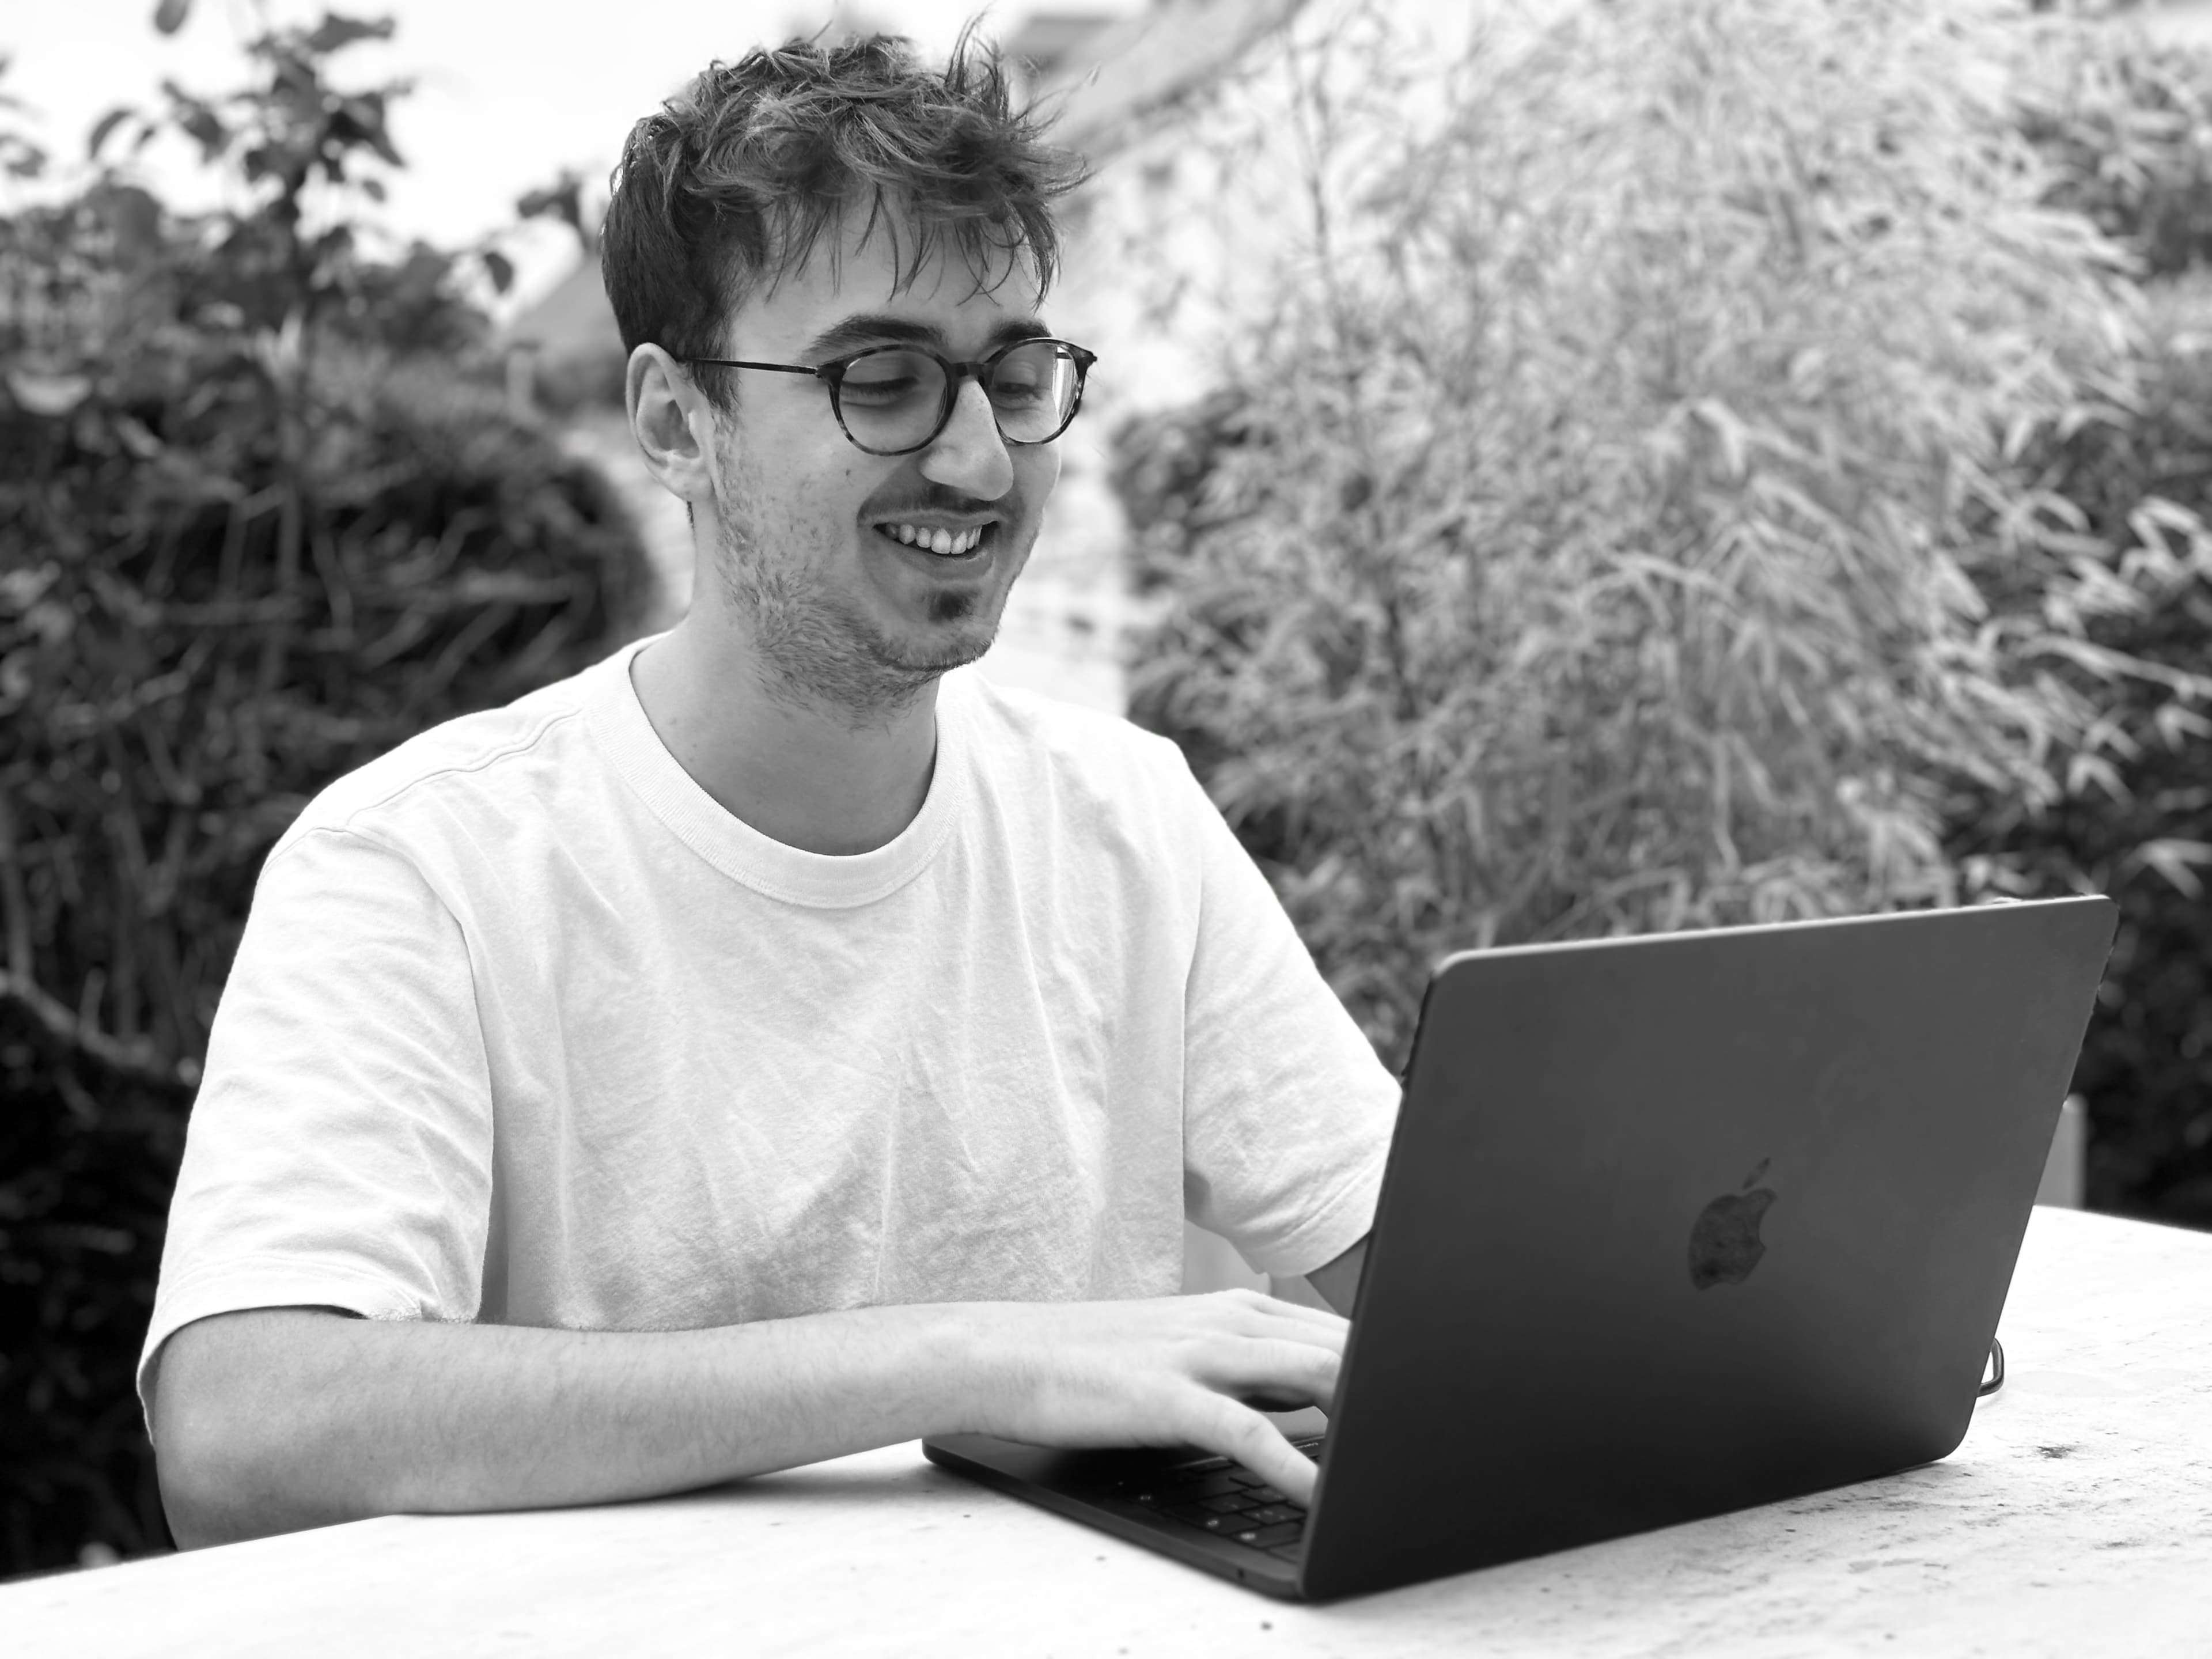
pixel 1678 1224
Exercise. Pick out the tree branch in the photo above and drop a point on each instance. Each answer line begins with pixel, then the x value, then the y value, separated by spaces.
pixel 138 1062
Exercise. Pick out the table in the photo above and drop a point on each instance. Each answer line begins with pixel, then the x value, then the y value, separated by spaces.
pixel 2077 1518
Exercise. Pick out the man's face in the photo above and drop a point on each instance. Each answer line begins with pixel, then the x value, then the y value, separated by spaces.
pixel 843 610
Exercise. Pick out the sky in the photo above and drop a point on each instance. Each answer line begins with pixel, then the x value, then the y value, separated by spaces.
pixel 507 93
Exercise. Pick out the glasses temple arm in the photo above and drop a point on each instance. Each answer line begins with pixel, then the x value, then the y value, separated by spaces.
pixel 739 363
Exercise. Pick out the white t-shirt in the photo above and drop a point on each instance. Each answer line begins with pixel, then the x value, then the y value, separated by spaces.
pixel 525 1028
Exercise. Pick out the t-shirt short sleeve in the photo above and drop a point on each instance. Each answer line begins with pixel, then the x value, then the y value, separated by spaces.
pixel 339 1154
pixel 1287 1110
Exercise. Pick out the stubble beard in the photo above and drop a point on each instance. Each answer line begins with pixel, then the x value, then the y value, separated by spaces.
pixel 816 651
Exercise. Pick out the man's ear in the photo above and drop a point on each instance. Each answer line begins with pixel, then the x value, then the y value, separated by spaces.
pixel 673 424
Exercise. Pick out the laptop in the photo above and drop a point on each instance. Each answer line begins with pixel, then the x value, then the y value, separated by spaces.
pixel 1670 1226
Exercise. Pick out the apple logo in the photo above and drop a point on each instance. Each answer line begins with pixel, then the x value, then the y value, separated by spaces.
pixel 1725 1245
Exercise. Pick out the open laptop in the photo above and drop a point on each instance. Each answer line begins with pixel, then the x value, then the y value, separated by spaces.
pixel 1670 1226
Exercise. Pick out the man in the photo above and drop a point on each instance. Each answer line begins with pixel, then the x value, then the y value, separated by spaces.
pixel 763 1046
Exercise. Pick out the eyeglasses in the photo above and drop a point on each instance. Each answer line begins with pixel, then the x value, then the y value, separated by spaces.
pixel 893 400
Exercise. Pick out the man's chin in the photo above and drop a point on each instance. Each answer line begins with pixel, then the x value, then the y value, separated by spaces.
pixel 870 668
pixel 940 655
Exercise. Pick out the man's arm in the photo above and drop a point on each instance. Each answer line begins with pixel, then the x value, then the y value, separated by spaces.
pixel 277 1419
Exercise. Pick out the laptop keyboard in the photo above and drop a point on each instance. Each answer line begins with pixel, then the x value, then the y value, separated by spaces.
pixel 1215 1496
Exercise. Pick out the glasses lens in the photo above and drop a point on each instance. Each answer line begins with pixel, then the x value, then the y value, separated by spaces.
pixel 1033 388
pixel 891 398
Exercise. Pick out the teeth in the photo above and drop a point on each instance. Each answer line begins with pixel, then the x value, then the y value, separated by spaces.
pixel 938 541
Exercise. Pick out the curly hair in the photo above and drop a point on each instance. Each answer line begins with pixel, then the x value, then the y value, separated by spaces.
pixel 728 187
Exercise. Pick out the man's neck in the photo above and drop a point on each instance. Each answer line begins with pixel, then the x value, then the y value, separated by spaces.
pixel 799 773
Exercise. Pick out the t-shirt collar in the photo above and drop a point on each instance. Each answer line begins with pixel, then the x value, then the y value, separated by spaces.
pixel 618 724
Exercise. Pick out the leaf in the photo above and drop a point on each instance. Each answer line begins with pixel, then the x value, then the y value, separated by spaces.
pixel 105 126
pixel 1721 422
pixel 336 31
pixel 359 120
pixel 50 395
pixel 2176 859
pixel 563 199
pixel 203 125
pixel 138 438
pixel 2178 725
pixel 133 216
pixel 169 17
pixel 22 588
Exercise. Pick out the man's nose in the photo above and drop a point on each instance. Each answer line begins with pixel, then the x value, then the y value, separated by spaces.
pixel 969 455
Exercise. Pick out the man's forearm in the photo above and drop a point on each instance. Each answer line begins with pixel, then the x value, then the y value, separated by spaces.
pixel 279 1418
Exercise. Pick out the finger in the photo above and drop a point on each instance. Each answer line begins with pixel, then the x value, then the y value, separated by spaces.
pixel 1303 1373
pixel 1310 1315
pixel 1260 1317
pixel 1276 1307
pixel 1332 1334
pixel 1239 1432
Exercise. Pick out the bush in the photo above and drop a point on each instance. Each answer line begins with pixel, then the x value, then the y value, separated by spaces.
pixel 1618 515
pixel 2125 126
pixel 2144 832
pixel 2128 126
pixel 246 544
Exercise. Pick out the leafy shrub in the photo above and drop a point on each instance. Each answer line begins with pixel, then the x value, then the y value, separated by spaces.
pixel 2125 125
pixel 246 544
pixel 1617 518
pixel 2143 833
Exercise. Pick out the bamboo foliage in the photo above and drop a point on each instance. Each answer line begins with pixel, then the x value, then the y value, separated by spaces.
pixel 1626 524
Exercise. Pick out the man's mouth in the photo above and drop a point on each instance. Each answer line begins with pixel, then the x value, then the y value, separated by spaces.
pixel 946 543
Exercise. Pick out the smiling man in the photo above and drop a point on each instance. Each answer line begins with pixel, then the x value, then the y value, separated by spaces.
pixel 771 1042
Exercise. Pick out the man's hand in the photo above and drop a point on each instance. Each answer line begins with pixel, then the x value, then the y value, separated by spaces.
pixel 1160 1373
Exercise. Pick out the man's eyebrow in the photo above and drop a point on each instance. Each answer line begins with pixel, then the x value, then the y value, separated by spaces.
pixel 857 333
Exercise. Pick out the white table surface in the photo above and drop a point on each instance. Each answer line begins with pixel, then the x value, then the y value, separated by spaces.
pixel 2076 1519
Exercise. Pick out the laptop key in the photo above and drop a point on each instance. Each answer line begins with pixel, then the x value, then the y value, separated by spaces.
pixel 1268 1495
pixel 1212 1485
pixel 1204 1520
pixel 1267 1538
pixel 1236 1503
pixel 1268 1515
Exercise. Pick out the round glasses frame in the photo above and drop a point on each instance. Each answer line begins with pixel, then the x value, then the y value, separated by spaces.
pixel 832 373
